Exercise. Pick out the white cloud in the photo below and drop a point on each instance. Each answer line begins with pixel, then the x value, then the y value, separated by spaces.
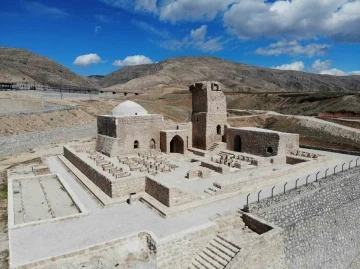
pixel 249 19
pixel 133 60
pixel 200 33
pixel 97 29
pixel 147 5
pixel 293 48
pixel 337 19
pixel 133 5
pixel 39 9
pixel 338 72
pixel 296 66
pixel 318 65
pixel 87 59
pixel 191 10
pixel 197 40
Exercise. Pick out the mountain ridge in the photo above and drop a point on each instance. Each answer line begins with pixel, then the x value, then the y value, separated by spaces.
pixel 17 64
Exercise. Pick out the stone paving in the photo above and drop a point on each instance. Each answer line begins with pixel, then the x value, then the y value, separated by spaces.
pixel 104 224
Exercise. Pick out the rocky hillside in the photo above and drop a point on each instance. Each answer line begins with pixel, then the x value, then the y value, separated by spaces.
pixel 16 64
pixel 234 76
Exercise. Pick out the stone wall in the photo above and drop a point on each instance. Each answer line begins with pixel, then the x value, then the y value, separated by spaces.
pixel 329 127
pixel 97 178
pixel 321 221
pixel 112 187
pixel 157 190
pixel 20 143
pixel 262 142
pixel 166 195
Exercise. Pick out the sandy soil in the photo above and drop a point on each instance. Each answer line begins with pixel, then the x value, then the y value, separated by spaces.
pixel 13 125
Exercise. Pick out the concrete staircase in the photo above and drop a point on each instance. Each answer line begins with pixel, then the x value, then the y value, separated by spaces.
pixel 212 190
pixel 214 147
pixel 216 255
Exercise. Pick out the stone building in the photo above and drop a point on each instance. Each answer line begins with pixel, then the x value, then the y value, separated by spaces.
pixel 130 129
pixel 208 115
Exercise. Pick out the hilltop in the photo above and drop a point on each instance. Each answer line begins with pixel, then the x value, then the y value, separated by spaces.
pixel 16 64
pixel 234 77
pixel 177 73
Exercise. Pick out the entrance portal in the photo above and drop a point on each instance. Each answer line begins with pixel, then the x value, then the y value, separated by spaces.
pixel 177 145
pixel 237 143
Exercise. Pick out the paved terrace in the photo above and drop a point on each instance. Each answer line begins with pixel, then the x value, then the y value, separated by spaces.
pixel 104 224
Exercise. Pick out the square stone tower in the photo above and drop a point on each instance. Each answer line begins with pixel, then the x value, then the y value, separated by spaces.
pixel 209 115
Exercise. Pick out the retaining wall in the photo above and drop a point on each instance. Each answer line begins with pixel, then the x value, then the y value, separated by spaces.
pixel 20 143
pixel 321 221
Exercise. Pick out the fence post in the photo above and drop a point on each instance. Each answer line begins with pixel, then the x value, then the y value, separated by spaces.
pixel 259 196
pixel 357 161
pixel 326 172
pixel 285 187
pixel 350 164
pixel 342 168
pixel 272 192
pixel 307 180
pixel 296 183
pixel 335 168
pixel 317 176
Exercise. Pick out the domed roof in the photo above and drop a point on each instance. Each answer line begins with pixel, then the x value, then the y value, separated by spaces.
pixel 129 108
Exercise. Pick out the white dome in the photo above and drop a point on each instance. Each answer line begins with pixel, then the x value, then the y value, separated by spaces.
pixel 129 108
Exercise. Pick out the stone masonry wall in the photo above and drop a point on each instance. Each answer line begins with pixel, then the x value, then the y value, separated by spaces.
pixel 254 142
pixel 157 190
pixel 321 221
pixel 20 143
pixel 99 180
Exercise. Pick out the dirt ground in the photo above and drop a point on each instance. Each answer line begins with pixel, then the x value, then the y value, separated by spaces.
pixel 19 124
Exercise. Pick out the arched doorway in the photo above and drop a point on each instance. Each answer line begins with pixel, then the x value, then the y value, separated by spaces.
pixel 237 143
pixel 177 145
pixel 152 144
pixel 218 130
pixel 136 144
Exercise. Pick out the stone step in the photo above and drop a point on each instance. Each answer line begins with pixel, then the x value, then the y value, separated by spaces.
pixel 208 191
pixel 211 261
pixel 235 247
pixel 223 249
pixel 197 265
pixel 219 261
pixel 218 253
pixel 213 189
pixel 225 244
pixel 204 262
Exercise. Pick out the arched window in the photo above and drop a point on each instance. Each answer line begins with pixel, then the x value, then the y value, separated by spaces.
pixel 218 130
pixel 152 144
pixel 136 144
pixel 269 150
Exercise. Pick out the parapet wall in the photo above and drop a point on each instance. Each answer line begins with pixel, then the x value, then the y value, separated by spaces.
pixel 167 195
pixel 321 221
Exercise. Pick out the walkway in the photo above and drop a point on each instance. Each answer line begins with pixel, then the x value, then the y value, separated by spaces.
pixel 104 224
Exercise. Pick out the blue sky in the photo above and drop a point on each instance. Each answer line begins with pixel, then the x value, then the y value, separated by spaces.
pixel 100 36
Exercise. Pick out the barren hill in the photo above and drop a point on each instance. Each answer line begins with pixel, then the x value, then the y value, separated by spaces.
pixel 16 64
pixel 234 76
